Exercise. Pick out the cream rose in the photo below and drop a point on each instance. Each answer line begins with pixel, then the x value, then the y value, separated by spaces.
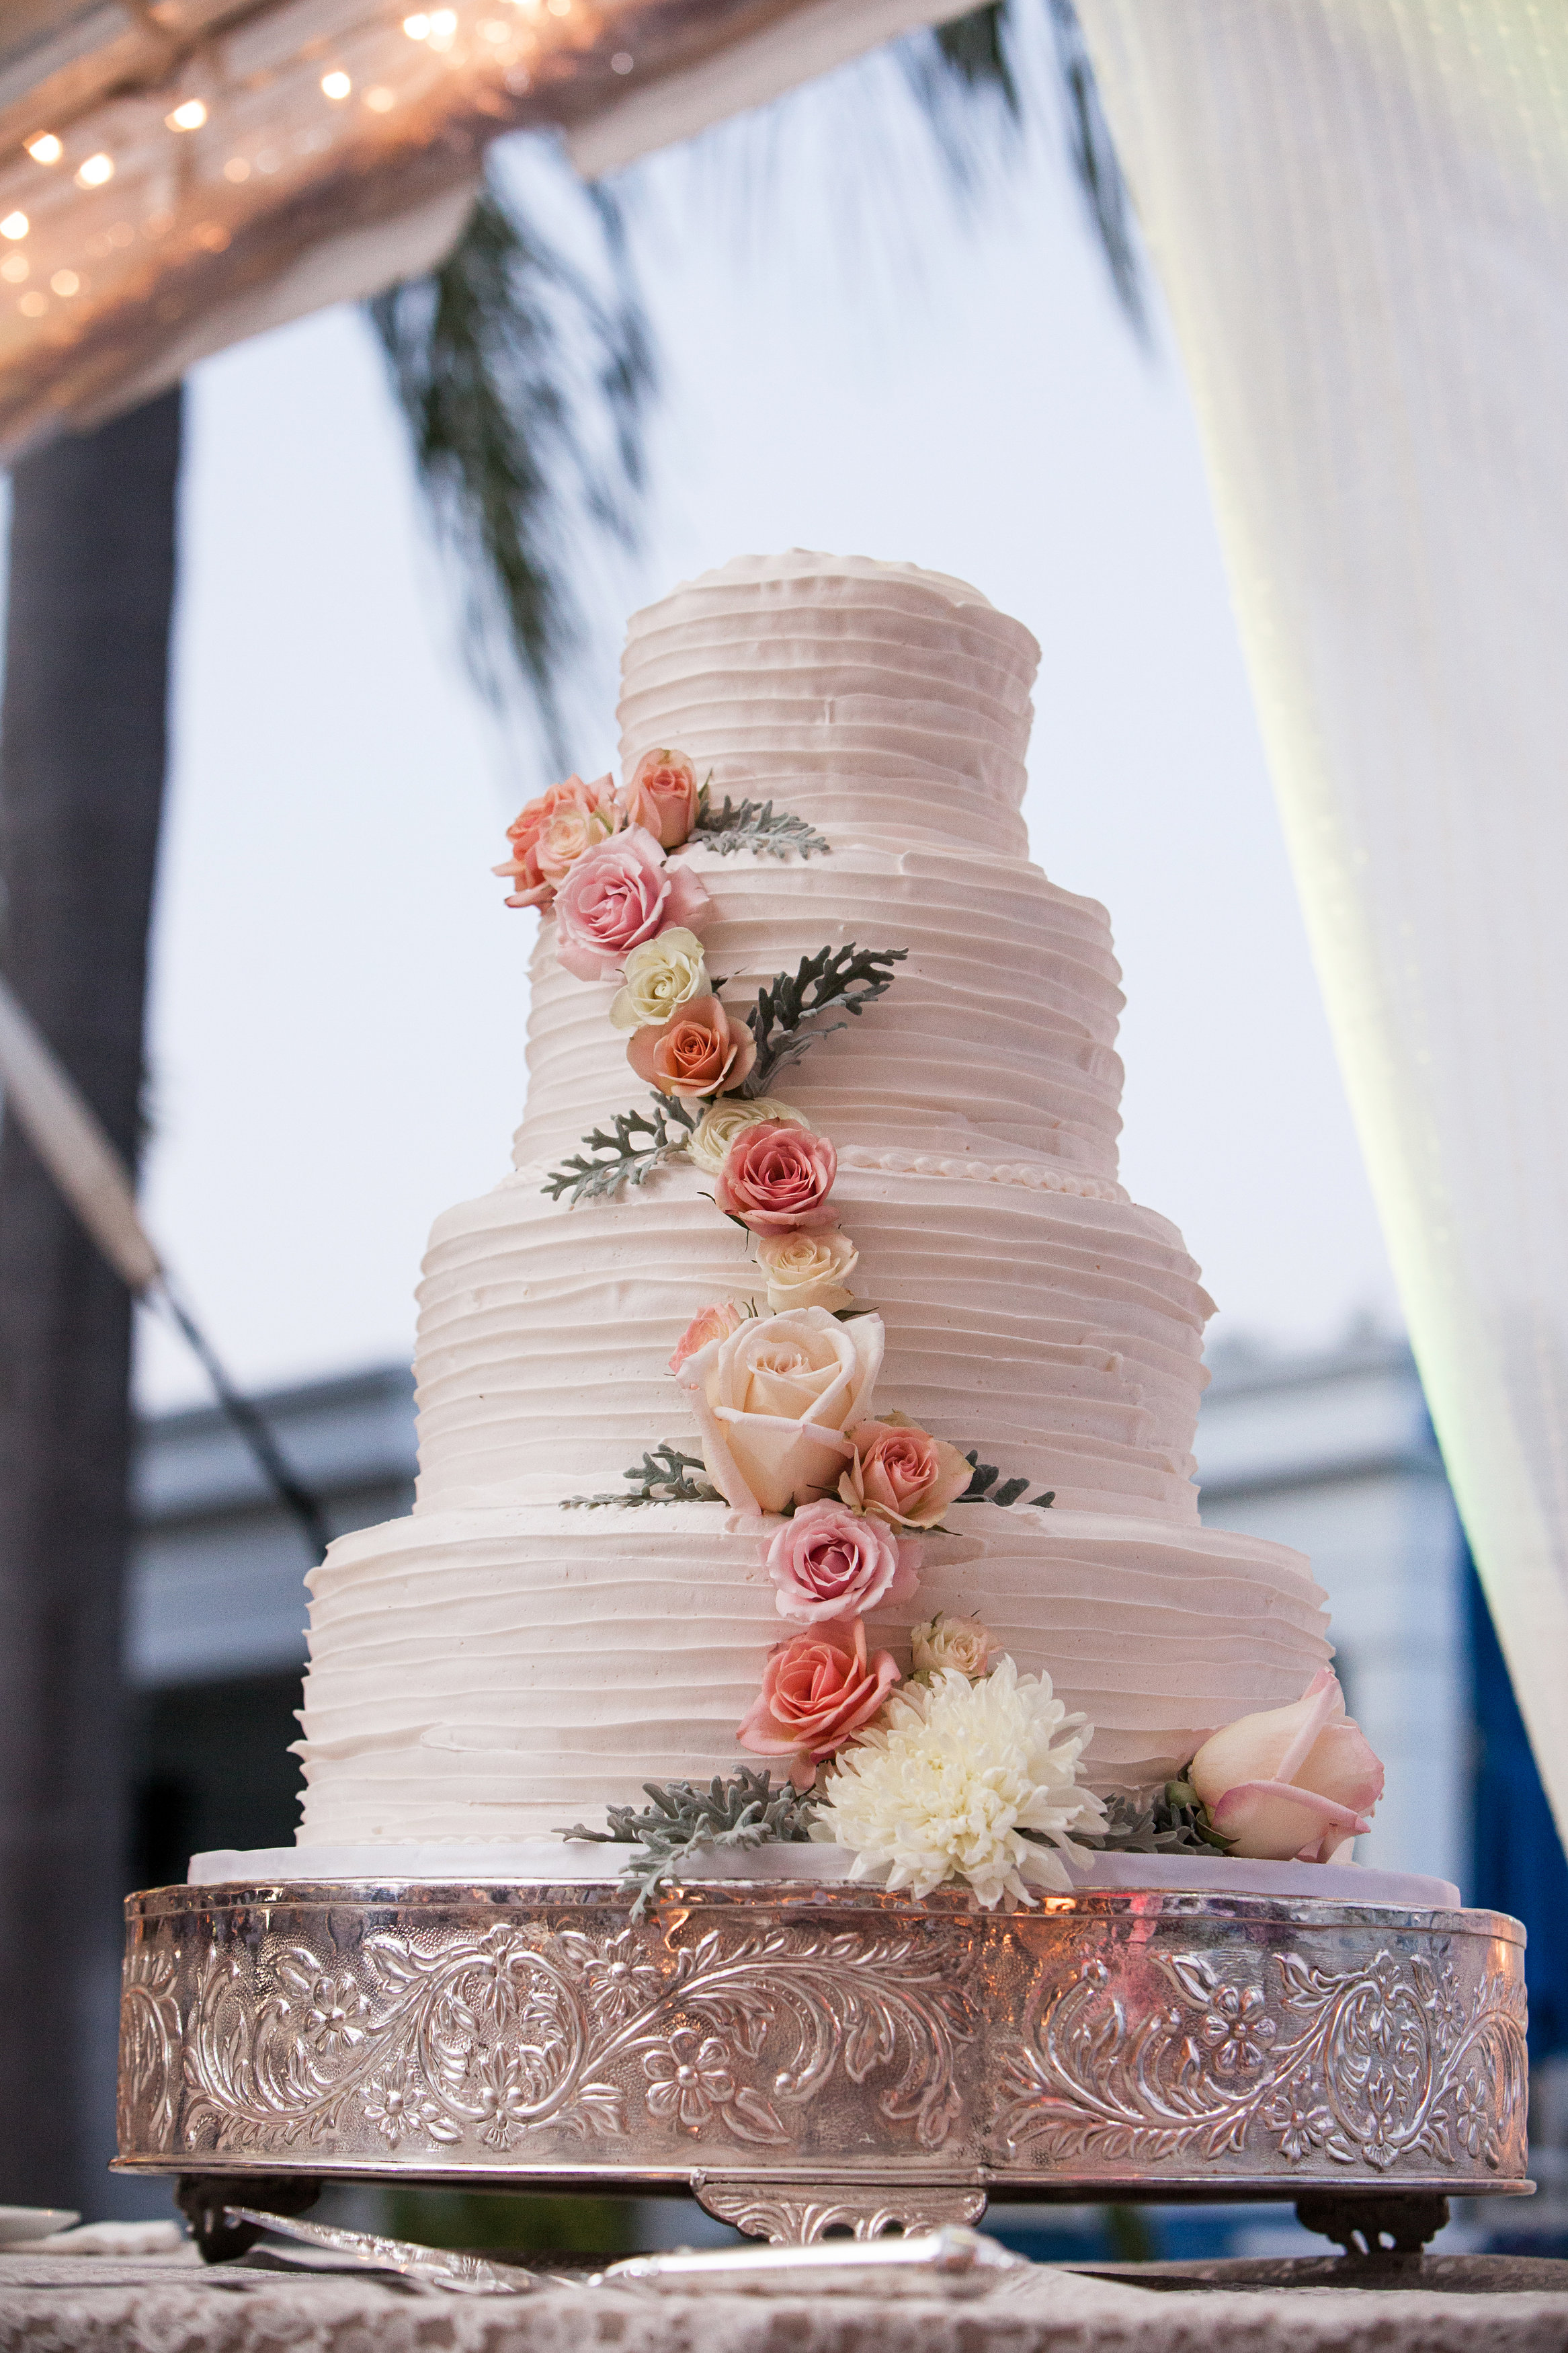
pixel 662 976
pixel 1290 1782
pixel 943 1641
pixel 808 1270
pixel 774 1401
pixel 718 1128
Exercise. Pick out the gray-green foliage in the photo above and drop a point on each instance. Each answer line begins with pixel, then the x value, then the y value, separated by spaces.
pixel 844 979
pixel 1176 1821
pixel 742 1811
pixel 635 1146
pixel 757 824
pixel 659 1478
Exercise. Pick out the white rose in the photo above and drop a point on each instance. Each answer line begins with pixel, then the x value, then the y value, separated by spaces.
pixel 943 1641
pixel 774 1401
pixel 808 1270
pixel 661 975
pixel 722 1122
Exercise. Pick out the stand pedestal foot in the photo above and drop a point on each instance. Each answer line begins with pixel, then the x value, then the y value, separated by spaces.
pixel 1371 2229
pixel 797 2217
pixel 202 2198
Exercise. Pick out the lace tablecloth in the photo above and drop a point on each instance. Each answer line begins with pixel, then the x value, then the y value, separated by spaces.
pixel 64 2303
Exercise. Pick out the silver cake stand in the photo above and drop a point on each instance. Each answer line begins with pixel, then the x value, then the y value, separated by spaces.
pixel 806 2057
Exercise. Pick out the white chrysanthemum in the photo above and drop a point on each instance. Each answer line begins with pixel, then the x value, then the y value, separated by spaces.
pixel 948 1781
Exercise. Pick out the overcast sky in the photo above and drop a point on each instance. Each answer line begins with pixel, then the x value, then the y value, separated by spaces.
pixel 338 995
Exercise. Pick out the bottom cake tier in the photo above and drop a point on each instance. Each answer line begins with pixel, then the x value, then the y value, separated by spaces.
pixel 502 1674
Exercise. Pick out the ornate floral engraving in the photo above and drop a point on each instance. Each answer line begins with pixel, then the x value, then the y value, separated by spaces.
pixel 466 2040
pixel 765 2211
pixel 1369 2066
pixel 149 2046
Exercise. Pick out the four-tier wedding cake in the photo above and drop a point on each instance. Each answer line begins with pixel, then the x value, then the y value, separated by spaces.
pixel 823 1106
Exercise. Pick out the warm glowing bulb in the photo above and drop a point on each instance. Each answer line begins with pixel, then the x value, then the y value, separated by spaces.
pixel 14 226
pixel 190 116
pixel 381 101
pixel 45 148
pixel 416 28
pixel 66 282
pixel 33 306
pixel 443 24
pixel 14 269
pixel 95 171
pixel 335 85
pixel 236 169
pixel 622 62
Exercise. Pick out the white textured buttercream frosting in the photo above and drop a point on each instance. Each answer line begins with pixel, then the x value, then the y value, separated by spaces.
pixel 496 1666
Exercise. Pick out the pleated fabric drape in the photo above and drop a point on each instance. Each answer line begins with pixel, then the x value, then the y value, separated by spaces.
pixel 1359 212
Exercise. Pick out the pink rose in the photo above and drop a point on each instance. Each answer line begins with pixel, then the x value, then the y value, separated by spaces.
pixel 696 1054
pixel 714 1322
pixel 593 809
pixel 902 1474
pixel 827 1563
pixel 1290 1782
pixel 661 796
pixel 776 1177
pixel 617 896
pixel 816 1690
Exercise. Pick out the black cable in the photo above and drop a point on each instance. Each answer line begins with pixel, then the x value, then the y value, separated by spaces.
pixel 252 1428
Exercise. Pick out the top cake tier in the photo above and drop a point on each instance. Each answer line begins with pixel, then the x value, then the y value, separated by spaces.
pixel 884 704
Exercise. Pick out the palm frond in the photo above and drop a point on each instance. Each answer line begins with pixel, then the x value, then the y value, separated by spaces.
pixel 963 74
pixel 525 385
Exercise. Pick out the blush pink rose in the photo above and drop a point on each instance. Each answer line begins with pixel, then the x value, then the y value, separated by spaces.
pixel 816 1690
pixel 696 1054
pixel 714 1322
pixel 902 1474
pixel 661 796
pixel 615 897
pixel 1291 1783
pixel 777 1177
pixel 828 1563
pixel 590 813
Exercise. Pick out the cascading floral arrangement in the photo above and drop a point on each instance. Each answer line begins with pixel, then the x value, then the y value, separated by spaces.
pixel 965 1768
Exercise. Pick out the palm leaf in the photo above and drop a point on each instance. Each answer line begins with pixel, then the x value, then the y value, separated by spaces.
pixel 525 386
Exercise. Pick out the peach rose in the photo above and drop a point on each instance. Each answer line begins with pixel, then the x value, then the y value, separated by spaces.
pixel 773 1399
pixel 590 807
pixel 902 1474
pixel 661 798
pixel 776 1177
pixel 828 1564
pixel 816 1690
pixel 1290 1782
pixel 696 1054
pixel 714 1322
pixel 617 896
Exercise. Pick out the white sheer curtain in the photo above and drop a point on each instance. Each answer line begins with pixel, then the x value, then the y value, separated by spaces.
pixel 1359 211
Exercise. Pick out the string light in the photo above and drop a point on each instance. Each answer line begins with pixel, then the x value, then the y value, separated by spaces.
pixel 44 147
pixel 381 101
pixel 33 306
pixel 66 282
pixel 189 116
pixel 622 62
pixel 95 171
pixel 443 24
pixel 416 28
pixel 15 268
pixel 335 85
pixel 14 226
pixel 236 169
